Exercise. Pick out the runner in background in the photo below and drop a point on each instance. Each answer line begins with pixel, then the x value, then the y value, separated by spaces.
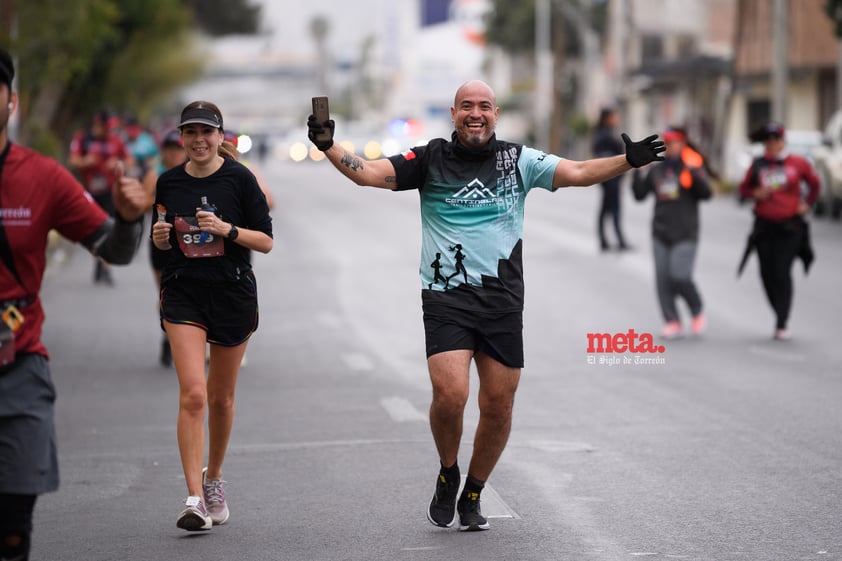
pixel 780 232
pixel 94 154
pixel 678 184
pixel 141 145
pixel 607 143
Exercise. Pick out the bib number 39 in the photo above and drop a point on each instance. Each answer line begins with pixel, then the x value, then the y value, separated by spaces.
pixel 195 243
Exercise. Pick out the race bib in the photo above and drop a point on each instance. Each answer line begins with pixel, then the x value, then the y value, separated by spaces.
pixel 195 243
pixel 668 189
pixel 773 178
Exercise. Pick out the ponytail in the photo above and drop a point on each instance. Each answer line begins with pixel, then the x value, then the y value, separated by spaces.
pixel 227 150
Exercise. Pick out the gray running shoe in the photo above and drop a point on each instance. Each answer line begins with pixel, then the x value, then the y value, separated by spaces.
pixel 195 516
pixel 214 491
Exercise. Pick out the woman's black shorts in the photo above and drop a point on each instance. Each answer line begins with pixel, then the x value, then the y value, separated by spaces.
pixel 227 312
pixel 499 335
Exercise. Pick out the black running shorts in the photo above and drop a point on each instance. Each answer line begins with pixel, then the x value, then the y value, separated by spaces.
pixel 499 335
pixel 227 312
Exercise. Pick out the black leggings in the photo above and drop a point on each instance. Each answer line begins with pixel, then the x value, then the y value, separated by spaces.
pixel 610 206
pixel 776 249
pixel 16 526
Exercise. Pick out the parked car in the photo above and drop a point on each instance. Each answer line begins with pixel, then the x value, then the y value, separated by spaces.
pixel 827 158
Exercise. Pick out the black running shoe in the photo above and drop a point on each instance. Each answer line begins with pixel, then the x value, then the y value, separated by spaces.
pixel 442 511
pixel 470 516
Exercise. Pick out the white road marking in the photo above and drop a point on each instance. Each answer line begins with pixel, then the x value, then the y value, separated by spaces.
pixel 558 446
pixel 401 410
pixel 493 506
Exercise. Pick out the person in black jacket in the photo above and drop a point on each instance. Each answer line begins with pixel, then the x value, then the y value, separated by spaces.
pixel 678 183
pixel 607 143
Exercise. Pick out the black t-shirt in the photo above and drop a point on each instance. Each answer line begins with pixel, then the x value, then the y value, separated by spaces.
pixel 234 191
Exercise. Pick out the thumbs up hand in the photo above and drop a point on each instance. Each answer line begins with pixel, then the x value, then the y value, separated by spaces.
pixel 131 199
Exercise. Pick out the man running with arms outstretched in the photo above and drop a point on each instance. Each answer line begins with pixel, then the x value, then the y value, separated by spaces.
pixel 473 190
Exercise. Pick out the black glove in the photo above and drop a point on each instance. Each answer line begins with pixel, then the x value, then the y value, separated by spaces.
pixel 321 134
pixel 644 151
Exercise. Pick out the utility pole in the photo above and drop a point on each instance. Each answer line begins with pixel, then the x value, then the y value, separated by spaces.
pixel 780 60
pixel 621 25
pixel 543 75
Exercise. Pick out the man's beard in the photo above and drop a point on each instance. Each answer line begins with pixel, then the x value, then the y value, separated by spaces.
pixel 475 137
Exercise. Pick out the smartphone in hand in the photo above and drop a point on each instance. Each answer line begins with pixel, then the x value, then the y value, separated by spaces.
pixel 322 113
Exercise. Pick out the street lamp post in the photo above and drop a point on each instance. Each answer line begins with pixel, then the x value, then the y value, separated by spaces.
pixel 780 60
pixel 543 74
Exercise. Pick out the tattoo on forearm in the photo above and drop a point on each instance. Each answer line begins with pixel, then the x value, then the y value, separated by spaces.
pixel 352 162
pixel 391 179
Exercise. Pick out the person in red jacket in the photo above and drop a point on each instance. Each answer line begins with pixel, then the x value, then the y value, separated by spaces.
pixel 780 232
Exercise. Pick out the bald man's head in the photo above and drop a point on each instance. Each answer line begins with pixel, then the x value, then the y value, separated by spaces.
pixel 474 86
pixel 474 113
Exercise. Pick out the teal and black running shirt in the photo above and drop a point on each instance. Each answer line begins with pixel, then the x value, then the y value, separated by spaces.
pixel 472 218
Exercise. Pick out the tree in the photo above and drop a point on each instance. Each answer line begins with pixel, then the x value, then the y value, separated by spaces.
pixel 77 57
pixel 225 17
pixel 511 26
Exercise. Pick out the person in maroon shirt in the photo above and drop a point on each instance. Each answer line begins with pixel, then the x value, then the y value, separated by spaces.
pixel 780 232
pixel 37 195
pixel 95 153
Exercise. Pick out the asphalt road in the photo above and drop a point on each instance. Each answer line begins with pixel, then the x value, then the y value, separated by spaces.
pixel 731 449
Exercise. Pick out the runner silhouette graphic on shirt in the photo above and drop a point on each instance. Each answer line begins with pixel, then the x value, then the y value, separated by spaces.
pixel 437 276
pixel 459 256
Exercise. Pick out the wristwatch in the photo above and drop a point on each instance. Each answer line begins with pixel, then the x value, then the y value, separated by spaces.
pixel 233 233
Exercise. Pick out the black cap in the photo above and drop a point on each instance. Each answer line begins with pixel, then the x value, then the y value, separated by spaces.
pixel 769 130
pixel 7 68
pixel 202 116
